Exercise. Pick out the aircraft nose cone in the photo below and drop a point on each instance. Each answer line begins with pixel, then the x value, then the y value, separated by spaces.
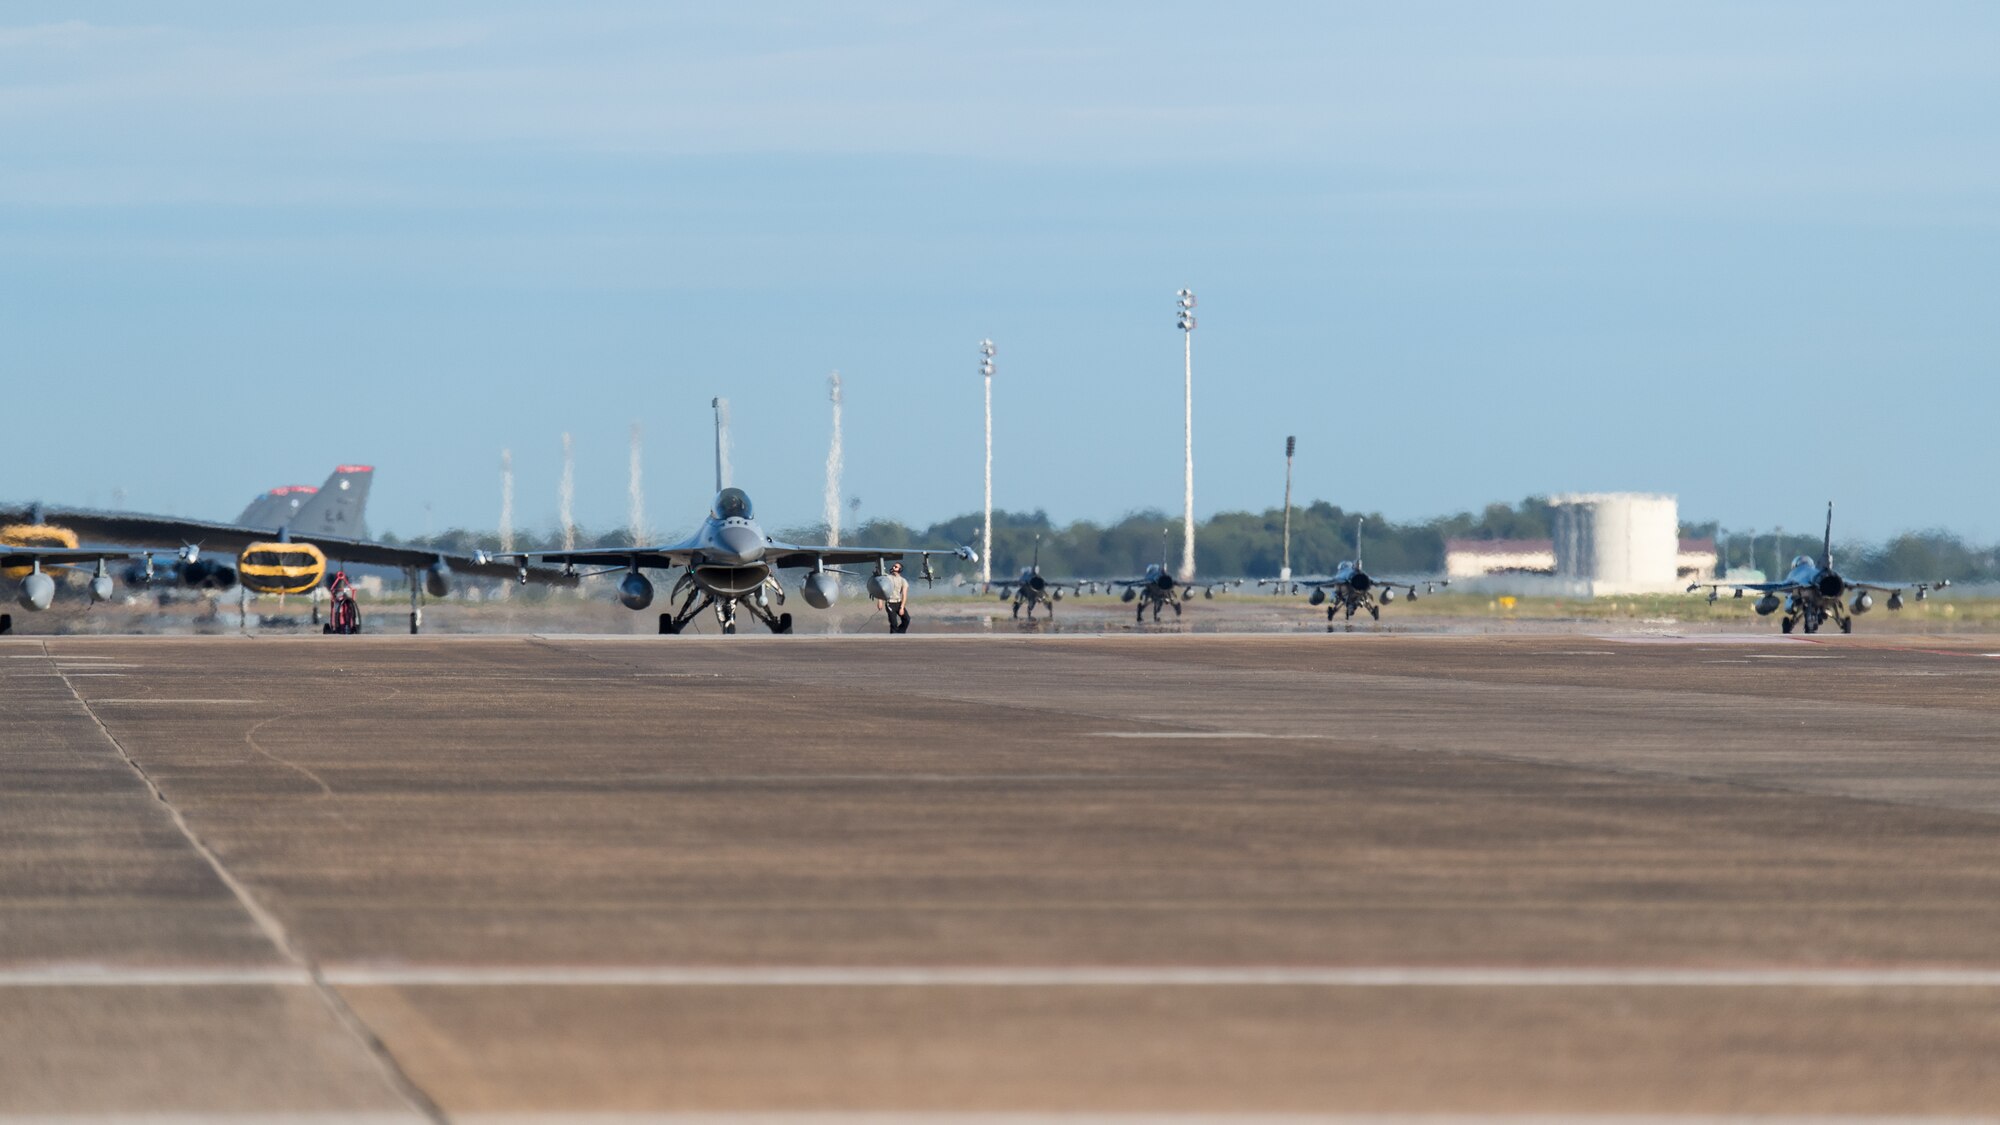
pixel 742 544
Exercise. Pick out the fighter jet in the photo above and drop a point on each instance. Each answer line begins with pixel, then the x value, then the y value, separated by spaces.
pixel 1351 588
pixel 1811 591
pixel 730 563
pixel 1159 589
pixel 31 566
pixel 1031 589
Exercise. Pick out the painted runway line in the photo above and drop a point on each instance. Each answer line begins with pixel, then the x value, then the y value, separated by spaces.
pixel 804 976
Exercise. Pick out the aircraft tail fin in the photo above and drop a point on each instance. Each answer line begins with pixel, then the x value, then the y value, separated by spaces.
pixel 339 507
pixel 276 507
pixel 1358 522
pixel 1826 546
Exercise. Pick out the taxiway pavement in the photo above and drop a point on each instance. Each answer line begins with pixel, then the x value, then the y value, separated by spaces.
pixel 453 876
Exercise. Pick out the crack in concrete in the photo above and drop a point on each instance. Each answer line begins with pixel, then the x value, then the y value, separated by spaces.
pixel 268 924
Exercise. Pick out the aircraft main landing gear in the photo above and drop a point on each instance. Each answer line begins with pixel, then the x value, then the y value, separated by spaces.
pixel 6 623
pixel 1785 626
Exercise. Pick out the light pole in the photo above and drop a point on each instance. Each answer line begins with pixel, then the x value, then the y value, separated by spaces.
pixel 1285 571
pixel 986 351
pixel 1184 307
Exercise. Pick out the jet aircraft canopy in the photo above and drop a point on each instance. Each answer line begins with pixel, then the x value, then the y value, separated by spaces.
pixel 1802 560
pixel 732 504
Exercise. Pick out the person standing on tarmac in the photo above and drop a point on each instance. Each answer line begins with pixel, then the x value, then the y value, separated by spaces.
pixel 896 599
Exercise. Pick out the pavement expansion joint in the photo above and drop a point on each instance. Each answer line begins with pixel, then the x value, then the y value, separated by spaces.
pixel 267 923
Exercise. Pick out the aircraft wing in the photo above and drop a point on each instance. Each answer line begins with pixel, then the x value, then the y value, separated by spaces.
pixel 206 535
pixel 787 556
pixel 645 558
pixel 1429 585
pixel 71 556
pixel 1752 587
pixel 1921 588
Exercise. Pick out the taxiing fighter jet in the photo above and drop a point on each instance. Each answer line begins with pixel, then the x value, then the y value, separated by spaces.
pixel 1159 589
pixel 730 563
pixel 1031 589
pixel 1812 591
pixel 1353 589
pixel 31 565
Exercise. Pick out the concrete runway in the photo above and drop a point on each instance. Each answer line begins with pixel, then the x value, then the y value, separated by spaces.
pixel 443 877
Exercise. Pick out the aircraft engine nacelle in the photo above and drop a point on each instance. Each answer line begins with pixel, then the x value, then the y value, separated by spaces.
pixel 635 591
pixel 1862 603
pixel 1038 583
pixel 38 591
pixel 437 579
pixel 1896 600
pixel 1766 605
pixel 1129 594
pixel 1831 585
pixel 821 590
pixel 1318 596
pixel 1165 582
pixel 100 587
pixel 1361 582
pixel 279 568
pixel 204 574
pixel 1388 594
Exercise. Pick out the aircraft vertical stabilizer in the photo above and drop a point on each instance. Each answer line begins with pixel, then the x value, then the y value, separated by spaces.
pixel 338 508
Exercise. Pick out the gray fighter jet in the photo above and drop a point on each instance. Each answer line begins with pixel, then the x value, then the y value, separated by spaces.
pixel 31 566
pixel 730 563
pixel 1811 592
pixel 1353 589
pixel 1031 589
pixel 1159 589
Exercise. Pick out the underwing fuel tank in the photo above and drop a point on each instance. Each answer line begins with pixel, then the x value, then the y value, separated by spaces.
pixel 1318 596
pixel 437 579
pixel 38 591
pixel 280 568
pixel 820 590
pixel 1766 605
pixel 635 591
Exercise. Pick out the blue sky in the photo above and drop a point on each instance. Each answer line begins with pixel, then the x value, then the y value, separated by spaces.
pixel 1746 253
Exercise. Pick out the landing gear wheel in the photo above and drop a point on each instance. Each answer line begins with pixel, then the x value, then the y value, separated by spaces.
pixel 416 623
pixel 729 628
pixel 1329 615
pixel 1847 625
pixel 1017 610
pixel 1140 617
pixel 667 626
pixel 1375 612
pixel 1785 625
pixel 783 624
pixel 6 623
pixel 1177 609
pixel 327 629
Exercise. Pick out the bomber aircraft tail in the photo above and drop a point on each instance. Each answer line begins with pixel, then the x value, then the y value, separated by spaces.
pixel 338 508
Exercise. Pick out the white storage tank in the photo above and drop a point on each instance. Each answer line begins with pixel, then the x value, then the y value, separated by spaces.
pixel 1613 543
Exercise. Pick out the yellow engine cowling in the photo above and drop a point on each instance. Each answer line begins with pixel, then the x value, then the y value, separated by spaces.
pixel 33 535
pixel 280 568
